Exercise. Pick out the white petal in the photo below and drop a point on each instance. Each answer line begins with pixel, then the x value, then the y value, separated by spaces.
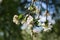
pixel 53 21
pixel 24 26
pixel 37 29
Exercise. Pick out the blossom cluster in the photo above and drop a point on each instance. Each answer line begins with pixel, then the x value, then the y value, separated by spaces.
pixel 44 20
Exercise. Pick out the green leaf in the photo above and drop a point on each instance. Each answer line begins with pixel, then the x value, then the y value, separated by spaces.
pixel 20 16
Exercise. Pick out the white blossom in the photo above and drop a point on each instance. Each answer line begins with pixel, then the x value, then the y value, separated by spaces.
pixel 29 19
pixel 37 29
pixel 24 26
pixel 27 25
pixel 46 29
pixel 42 18
pixel 49 18
pixel 15 19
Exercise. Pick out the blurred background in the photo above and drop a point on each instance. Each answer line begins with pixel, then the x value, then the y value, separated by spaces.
pixel 11 31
